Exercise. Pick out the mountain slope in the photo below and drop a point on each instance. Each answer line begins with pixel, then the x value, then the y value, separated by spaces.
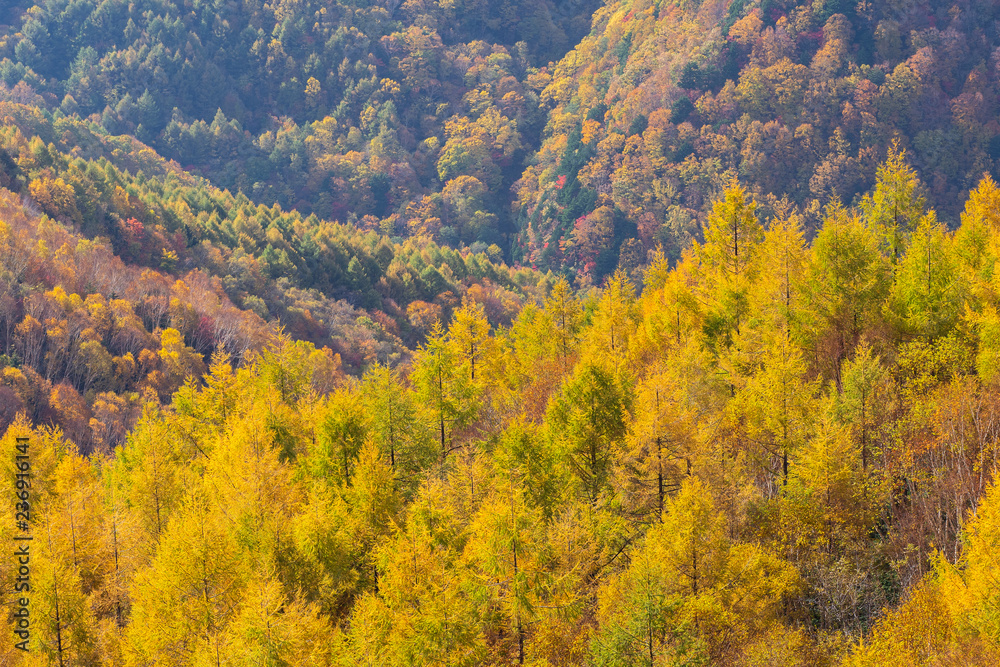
pixel 663 103
pixel 751 463
pixel 344 109
pixel 107 270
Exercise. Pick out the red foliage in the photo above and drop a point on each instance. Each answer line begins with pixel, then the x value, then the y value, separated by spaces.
pixel 815 37
pixel 134 228
pixel 387 322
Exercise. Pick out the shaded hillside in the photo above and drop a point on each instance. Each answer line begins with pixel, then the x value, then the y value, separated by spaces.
pixel 664 102
pixel 417 118
pixel 344 109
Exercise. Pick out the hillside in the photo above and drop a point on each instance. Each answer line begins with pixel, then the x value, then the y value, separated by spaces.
pixel 354 111
pixel 754 462
pixel 123 274
pixel 663 103
pixel 464 333
pixel 448 120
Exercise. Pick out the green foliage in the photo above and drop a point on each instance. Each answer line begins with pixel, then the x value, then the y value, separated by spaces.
pixel 588 419
pixel 928 290
pixel 895 207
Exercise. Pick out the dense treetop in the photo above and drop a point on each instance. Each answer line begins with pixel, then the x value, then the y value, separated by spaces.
pixel 778 453
pixel 344 109
pixel 273 319
pixel 664 102
pixel 447 119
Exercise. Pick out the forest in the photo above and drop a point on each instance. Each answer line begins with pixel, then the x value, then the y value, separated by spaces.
pixel 634 332
pixel 572 134
pixel 773 452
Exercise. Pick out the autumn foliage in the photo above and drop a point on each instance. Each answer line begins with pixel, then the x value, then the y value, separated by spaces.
pixel 778 451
